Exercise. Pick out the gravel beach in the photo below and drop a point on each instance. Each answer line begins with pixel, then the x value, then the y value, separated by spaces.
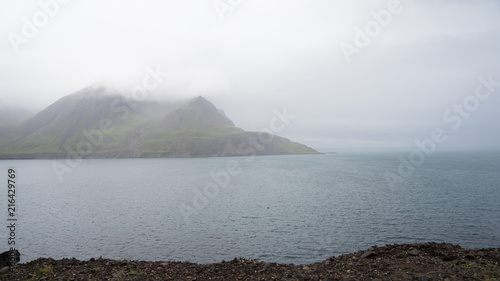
pixel 423 261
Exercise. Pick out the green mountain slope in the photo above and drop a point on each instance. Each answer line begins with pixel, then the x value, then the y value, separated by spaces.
pixel 98 123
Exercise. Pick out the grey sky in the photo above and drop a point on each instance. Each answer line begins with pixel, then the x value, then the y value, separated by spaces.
pixel 271 54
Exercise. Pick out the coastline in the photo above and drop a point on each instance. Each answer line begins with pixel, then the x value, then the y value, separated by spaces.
pixel 419 261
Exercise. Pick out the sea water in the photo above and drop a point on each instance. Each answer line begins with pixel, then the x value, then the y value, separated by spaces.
pixel 287 209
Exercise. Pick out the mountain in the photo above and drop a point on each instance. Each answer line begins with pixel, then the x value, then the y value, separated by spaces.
pixel 96 122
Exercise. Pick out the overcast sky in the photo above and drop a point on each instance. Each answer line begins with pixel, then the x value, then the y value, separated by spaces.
pixel 250 57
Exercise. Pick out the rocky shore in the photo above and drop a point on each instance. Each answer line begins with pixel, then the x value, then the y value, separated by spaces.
pixel 424 261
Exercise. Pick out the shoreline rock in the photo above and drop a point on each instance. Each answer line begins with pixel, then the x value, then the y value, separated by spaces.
pixel 422 261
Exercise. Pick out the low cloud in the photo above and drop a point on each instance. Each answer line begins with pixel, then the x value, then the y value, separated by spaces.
pixel 265 55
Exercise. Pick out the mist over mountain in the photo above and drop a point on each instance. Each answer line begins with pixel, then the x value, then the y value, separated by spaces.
pixel 97 122
pixel 13 115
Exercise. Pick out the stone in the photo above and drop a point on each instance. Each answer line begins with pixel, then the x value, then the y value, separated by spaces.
pixel 9 258
pixel 469 257
pixel 369 254
pixel 450 258
pixel 414 252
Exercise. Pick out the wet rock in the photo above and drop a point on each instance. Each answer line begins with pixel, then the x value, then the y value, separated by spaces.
pixel 9 258
pixel 369 254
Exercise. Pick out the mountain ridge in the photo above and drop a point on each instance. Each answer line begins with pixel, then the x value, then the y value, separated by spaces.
pixel 96 122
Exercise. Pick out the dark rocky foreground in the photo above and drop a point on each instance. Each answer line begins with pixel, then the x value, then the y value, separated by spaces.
pixel 426 261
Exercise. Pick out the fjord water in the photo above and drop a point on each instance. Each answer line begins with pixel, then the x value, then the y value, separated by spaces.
pixel 286 209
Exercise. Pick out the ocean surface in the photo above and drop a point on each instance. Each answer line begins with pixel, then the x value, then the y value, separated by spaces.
pixel 285 209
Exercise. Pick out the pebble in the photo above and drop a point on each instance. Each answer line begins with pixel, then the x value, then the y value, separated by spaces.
pixel 414 252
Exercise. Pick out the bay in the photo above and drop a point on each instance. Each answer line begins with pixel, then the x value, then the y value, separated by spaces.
pixel 287 209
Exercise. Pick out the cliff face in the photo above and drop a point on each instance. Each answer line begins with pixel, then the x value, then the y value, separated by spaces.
pixel 98 123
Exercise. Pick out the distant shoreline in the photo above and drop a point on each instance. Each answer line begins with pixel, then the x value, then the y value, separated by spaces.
pixel 59 157
pixel 419 261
